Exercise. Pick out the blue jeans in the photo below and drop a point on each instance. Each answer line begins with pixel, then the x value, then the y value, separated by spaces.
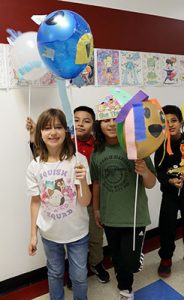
pixel 77 257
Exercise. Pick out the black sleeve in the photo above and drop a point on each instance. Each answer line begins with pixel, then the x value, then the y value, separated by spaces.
pixel 161 167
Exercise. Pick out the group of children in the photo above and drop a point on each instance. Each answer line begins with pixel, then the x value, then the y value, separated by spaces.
pixel 58 181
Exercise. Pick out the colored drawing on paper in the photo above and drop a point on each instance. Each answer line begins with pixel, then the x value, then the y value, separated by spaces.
pixel 107 67
pixel 181 69
pixel 131 68
pixel 170 69
pixel 151 69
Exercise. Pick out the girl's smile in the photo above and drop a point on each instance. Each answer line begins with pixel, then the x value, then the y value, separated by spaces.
pixel 108 128
pixel 53 135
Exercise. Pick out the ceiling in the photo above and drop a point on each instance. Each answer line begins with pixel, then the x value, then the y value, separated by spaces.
pixel 166 8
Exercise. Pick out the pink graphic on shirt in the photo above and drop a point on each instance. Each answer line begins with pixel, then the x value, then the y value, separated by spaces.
pixel 58 199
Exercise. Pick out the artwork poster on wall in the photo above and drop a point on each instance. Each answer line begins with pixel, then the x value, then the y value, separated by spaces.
pixel 107 67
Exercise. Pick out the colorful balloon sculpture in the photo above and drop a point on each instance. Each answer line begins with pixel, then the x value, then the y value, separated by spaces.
pixel 141 126
pixel 65 43
pixel 26 59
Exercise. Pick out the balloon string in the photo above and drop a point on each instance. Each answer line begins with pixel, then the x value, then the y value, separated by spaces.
pixel 135 210
pixel 29 100
pixel 6 67
pixel 74 129
pixel 73 119
pixel 29 114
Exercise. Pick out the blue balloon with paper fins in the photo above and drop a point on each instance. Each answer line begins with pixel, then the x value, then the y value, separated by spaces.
pixel 65 43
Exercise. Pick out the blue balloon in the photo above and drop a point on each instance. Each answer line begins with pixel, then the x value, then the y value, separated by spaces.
pixel 65 43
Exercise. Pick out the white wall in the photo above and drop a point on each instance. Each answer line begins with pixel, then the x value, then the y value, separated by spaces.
pixel 15 156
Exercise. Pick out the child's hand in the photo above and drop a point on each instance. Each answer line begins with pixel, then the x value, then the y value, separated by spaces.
pixel 30 126
pixel 177 182
pixel 33 246
pixel 80 172
pixel 181 176
pixel 141 167
pixel 97 218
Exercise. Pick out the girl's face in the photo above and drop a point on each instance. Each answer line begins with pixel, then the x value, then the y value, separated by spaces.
pixel 108 128
pixel 174 126
pixel 53 134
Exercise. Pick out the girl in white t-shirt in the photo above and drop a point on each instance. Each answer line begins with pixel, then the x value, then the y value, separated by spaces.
pixel 58 208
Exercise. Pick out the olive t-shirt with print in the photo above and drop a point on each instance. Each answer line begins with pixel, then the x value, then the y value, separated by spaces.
pixel 117 178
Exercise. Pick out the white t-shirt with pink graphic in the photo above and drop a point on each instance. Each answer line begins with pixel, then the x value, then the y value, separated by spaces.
pixel 61 218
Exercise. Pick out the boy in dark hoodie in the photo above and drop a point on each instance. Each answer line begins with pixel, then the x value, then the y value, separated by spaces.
pixel 171 185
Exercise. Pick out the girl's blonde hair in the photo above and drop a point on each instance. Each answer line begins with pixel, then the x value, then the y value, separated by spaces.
pixel 46 117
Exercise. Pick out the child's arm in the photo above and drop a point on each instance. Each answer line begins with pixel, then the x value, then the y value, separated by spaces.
pixel 84 195
pixel 149 178
pixel 161 167
pixel 30 126
pixel 35 205
pixel 96 203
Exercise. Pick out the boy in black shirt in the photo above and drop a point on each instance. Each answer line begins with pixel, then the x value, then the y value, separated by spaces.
pixel 171 185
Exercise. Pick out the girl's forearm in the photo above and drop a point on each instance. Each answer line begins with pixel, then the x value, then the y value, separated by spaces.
pixel 35 205
pixel 84 194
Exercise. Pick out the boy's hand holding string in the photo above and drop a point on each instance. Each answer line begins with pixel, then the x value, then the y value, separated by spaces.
pixel 177 182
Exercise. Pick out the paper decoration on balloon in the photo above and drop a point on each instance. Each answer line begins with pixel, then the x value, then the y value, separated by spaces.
pixel 38 19
pixel 85 78
pixel 65 43
pixel 141 126
pixel 13 35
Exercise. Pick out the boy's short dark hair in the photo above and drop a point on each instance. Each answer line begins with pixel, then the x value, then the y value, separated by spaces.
pixel 173 110
pixel 86 109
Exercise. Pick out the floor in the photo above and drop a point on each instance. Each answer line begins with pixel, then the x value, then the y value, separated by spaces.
pixel 147 284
